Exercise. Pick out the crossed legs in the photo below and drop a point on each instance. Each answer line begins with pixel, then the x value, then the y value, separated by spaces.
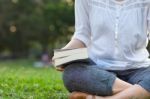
pixel 86 79
pixel 124 90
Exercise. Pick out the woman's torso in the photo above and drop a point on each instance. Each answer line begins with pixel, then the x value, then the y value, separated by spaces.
pixel 119 33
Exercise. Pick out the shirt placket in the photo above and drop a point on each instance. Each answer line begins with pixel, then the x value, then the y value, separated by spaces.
pixel 118 8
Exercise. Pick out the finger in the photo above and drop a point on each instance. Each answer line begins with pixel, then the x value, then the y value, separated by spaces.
pixel 59 69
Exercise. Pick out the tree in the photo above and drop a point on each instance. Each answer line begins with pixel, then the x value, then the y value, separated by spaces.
pixel 47 22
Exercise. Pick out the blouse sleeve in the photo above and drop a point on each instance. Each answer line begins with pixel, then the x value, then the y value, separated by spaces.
pixel 82 26
pixel 148 18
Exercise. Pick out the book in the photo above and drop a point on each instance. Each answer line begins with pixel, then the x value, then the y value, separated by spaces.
pixel 58 53
pixel 64 57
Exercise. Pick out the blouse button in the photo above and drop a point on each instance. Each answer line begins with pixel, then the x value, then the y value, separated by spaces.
pixel 116 24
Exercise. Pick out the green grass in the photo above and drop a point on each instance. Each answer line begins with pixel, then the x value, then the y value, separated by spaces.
pixel 20 80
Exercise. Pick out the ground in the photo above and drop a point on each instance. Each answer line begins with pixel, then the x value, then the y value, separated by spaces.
pixel 20 80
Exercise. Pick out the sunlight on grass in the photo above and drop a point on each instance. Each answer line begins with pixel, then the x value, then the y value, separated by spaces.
pixel 20 80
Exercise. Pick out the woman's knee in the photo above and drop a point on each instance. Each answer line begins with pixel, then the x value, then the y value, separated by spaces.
pixel 72 76
pixel 90 79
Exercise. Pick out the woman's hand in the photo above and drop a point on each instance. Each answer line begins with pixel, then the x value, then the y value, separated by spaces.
pixel 60 68
pixel 74 43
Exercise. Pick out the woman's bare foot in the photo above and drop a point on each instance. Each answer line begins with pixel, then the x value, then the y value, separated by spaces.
pixel 80 95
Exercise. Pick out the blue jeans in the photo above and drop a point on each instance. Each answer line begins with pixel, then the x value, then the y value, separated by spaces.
pixel 88 78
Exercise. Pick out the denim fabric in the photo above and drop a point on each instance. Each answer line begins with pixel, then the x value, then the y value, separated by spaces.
pixel 142 77
pixel 89 78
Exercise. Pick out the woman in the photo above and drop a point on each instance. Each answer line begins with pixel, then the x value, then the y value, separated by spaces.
pixel 115 33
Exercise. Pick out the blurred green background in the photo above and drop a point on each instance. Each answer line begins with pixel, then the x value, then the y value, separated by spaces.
pixel 30 27
pixel 29 31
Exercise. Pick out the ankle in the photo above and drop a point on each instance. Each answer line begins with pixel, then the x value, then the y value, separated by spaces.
pixel 99 97
pixel 90 97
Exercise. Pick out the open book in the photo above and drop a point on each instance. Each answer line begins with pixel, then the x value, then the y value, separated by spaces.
pixel 67 56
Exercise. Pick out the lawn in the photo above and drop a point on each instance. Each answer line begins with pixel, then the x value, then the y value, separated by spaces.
pixel 19 79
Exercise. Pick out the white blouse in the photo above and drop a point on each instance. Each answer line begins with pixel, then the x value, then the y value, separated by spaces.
pixel 116 35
